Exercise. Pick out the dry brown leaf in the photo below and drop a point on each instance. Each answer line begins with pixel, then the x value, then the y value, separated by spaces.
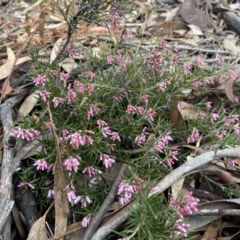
pixel 212 230
pixel 6 68
pixel 55 50
pixel 61 201
pixel 192 15
pixel 230 43
pixel 38 231
pixel 190 112
pixel 7 89
pixel 28 104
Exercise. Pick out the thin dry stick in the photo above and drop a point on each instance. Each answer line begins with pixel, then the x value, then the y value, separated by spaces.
pixel 104 207
pixel 174 176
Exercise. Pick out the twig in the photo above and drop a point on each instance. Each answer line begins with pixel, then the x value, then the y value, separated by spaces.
pixel 71 27
pixel 174 176
pixel 104 207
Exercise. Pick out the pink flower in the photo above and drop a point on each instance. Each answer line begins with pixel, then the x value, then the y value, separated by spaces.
pixel 214 117
pixel 125 192
pixel 194 136
pixel 57 101
pixel 40 80
pixel 107 161
pixel 209 105
pixel 101 123
pixel 64 77
pixel 232 75
pixel 172 157
pixel 199 62
pixel 131 109
pixel 27 134
pixel 220 134
pixel 41 149
pixel 85 221
pixel 139 140
pixel 90 171
pixel 150 114
pixel 71 196
pixel 115 136
pixel 144 99
pixel 162 141
pixel 221 61
pixel 231 119
pixel 80 139
pixel 92 111
pixel 71 163
pixel 162 86
pixel 197 83
pixel 175 47
pixel 232 162
pixel 110 59
pixel 71 96
pixel 44 94
pixel 50 193
pixel 41 164
pixel 21 184
pixel 236 128
pixel 181 105
pixel 187 68
pixel 79 86
pixel 90 75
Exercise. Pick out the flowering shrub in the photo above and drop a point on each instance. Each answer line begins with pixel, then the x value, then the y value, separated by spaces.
pixel 116 110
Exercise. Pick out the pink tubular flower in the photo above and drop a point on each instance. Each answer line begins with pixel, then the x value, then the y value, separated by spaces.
pixel 41 149
pixel 79 86
pixel 40 80
pixel 21 184
pixel 50 193
pixel 214 117
pixel 115 136
pixel 41 164
pixel 236 128
pixel 101 123
pixel 194 136
pixel 110 59
pixel 107 161
pixel 231 119
pixel 27 134
pixel 57 101
pixel 131 109
pixel 232 75
pixel 89 170
pixel 181 105
pixel 90 75
pixel 162 141
pixel 150 114
pixel 187 68
pixel 79 138
pixel 125 192
pixel 209 105
pixel 139 140
pixel 64 77
pixel 221 61
pixel 220 134
pixel 71 96
pixel 92 111
pixel 172 157
pixel 71 163
pixel 162 86
pixel 85 221
pixel 44 94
